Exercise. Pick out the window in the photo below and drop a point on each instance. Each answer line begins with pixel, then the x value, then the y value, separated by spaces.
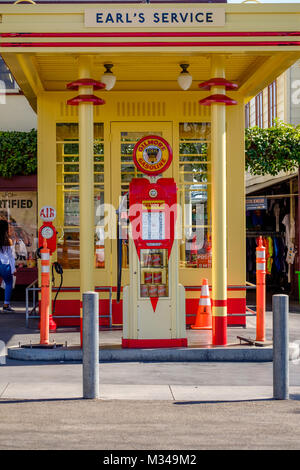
pixel 272 103
pixel 259 110
pixel 247 115
pixel 7 82
pixel 194 194
pixel 67 183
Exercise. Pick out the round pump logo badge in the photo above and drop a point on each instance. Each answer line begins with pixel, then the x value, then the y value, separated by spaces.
pixel 152 155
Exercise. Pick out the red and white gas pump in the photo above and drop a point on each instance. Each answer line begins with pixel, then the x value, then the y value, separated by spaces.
pixel 154 302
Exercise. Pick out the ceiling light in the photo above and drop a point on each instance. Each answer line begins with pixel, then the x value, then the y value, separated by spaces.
pixel 184 78
pixel 108 77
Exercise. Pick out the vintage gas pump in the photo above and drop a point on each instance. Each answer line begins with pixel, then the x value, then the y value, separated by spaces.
pixel 154 302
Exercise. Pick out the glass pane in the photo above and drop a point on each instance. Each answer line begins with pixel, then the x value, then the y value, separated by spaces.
pixel 99 178
pixel 194 130
pixel 194 194
pixel 71 206
pixel 68 248
pixel 68 194
pixel 71 168
pixel 98 168
pixel 66 131
pixel 71 178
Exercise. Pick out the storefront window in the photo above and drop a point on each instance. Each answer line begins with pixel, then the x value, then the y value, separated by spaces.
pixel 67 180
pixel 194 194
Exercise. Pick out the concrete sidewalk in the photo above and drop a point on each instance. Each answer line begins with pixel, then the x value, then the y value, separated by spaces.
pixel 181 381
pixel 66 391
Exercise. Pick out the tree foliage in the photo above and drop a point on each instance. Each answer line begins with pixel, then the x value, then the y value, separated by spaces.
pixel 273 149
pixel 18 153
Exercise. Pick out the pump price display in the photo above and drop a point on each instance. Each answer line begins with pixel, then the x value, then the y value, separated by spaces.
pixel 153 225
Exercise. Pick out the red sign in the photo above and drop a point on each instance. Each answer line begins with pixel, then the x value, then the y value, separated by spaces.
pixel 152 155
pixel 47 213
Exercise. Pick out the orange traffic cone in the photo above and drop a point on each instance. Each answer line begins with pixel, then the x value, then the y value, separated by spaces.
pixel 203 317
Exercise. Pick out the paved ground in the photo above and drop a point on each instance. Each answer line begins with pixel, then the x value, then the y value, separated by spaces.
pixel 145 425
pixel 146 405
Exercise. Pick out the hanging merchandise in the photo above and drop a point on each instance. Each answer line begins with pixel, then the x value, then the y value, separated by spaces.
pixel 275 226
pixel 286 223
pixel 290 257
pixel 277 213
pixel 268 243
pixel 289 236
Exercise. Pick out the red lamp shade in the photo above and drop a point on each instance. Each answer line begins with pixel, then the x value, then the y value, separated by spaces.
pixel 85 82
pixel 85 99
pixel 218 82
pixel 217 99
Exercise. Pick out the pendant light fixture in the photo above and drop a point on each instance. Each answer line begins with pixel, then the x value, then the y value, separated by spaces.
pixel 108 77
pixel 184 78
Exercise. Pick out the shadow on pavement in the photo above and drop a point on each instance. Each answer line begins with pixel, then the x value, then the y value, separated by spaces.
pixel 10 401
pixel 206 402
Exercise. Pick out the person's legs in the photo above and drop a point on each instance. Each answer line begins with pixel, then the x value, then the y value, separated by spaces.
pixel 5 273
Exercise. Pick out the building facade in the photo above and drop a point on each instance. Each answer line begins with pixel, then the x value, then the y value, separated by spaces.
pixel 236 54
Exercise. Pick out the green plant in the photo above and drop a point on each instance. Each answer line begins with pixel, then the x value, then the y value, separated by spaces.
pixel 274 149
pixel 18 153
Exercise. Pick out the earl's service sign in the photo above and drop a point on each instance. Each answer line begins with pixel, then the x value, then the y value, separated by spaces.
pixel 154 16
pixel 152 155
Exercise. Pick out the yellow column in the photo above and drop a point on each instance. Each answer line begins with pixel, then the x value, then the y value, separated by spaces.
pixel 219 248
pixel 86 180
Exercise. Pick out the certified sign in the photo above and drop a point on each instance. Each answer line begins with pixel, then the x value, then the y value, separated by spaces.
pixel 152 155
pixel 47 213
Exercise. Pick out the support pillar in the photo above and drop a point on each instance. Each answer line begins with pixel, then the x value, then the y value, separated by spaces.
pixel 85 102
pixel 218 101
pixel 219 227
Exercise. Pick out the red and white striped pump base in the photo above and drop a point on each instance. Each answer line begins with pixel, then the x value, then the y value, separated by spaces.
pixel 219 323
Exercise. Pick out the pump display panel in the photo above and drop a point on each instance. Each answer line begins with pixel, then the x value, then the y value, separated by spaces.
pixel 154 276
pixel 153 225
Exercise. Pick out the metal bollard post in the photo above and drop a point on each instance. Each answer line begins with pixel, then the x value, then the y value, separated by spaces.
pixel 90 346
pixel 280 347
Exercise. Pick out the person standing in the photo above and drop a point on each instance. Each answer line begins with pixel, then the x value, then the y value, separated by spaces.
pixel 7 264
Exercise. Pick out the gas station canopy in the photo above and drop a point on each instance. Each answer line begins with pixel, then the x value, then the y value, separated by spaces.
pixel 41 43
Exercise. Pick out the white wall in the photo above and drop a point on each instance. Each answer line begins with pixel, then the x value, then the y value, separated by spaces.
pixel 16 114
